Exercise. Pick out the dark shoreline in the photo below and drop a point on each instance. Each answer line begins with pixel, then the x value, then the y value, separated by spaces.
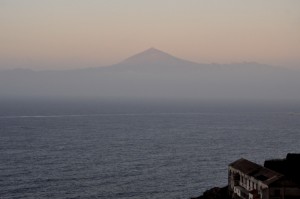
pixel 214 193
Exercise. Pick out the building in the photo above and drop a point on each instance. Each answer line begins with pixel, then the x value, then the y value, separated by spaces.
pixel 248 180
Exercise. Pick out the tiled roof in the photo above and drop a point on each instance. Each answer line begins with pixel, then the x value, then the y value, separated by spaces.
pixel 245 166
pixel 257 171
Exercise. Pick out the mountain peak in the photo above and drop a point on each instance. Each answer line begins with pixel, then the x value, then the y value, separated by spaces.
pixel 151 55
pixel 153 60
pixel 152 50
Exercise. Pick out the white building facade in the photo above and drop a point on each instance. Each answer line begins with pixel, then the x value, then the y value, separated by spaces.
pixel 248 180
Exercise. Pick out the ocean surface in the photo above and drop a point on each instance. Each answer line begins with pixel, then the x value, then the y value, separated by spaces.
pixel 135 150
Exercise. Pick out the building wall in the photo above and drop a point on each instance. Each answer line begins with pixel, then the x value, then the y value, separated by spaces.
pixel 247 182
pixel 265 194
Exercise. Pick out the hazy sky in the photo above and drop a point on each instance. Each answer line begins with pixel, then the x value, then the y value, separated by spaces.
pixel 45 34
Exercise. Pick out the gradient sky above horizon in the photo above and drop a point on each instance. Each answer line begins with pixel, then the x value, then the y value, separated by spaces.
pixel 65 34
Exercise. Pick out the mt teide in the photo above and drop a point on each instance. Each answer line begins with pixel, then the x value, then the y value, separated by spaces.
pixel 155 74
pixel 153 60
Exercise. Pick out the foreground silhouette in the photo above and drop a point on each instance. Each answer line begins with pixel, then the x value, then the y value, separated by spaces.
pixel 277 179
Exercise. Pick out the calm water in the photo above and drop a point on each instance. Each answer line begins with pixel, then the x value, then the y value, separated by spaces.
pixel 100 151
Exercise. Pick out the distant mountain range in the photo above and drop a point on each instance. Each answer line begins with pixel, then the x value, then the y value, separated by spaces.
pixel 154 74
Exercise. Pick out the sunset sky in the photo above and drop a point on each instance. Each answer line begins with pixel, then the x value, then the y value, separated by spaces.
pixel 66 34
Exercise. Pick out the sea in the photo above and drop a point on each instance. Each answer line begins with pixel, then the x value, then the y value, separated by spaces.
pixel 132 150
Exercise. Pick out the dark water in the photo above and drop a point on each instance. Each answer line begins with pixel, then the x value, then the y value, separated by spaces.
pixel 98 151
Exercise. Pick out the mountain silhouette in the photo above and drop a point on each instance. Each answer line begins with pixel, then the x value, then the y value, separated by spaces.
pixel 151 55
pixel 154 61
pixel 155 74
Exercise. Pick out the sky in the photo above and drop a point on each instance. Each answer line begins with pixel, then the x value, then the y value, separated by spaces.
pixel 67 34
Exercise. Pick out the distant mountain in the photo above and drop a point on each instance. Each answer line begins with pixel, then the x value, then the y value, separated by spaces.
pixel 152 56
pixel 152 61
pixel 155 74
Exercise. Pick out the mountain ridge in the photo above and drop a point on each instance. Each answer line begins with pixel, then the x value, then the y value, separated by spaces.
pixel 153 57
pixel 153 60
pixel 155 74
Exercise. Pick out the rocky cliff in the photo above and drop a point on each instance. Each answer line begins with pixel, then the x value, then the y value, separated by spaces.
pixel 215 193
